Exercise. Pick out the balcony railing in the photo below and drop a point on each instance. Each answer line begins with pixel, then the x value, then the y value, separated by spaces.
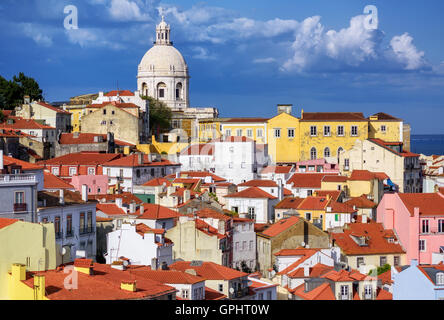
pixel 20 207
pixel 17 178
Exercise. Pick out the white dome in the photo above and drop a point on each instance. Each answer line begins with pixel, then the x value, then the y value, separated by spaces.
pixel 163 59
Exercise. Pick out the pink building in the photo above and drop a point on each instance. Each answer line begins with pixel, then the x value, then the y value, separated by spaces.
pixel 418 220
pixel 97 184
pixel 317 165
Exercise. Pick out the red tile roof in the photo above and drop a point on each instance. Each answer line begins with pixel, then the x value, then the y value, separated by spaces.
pixel 20 123
pixel 87 138
pixel 386 145
pixel 289 203
pixel 58 110
pixel 338 207
pixel 252 192
pixel 210 213
pixel 4 222
pixel 280 226
pixel 155 211
pixel 211 294
pixel 110 209
pixel 209 270
pixel 296 252
pixel 334 194
pixel 83 263
pixel 202 174
pixel 207 229
pixel 26 166
pixel 157 182
pixel 375 233
pixel 313 203
pixel 316 271
pixel 333 116
pixel 345 276
pixel 165 276
pixel 307 180
pixel 120 105
pixel 133 161
pixel 122 93
pixel 142 228
pixel 53 182
pixel 365 175
pixel 126 197
pixel 258 183
pixel 361 202
pixel 323 292
pixel 82 158
pixel 429 204
pixel 233 139
pixel 276 169
pixel 242 120
pixel 384 117
pixel 334 179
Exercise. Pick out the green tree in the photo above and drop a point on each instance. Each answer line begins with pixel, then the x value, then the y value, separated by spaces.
pixel 12 92
pixel 160 115
pixel 380 270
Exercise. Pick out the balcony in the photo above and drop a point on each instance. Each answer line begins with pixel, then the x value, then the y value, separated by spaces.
pixel 17 178
pixel 20 207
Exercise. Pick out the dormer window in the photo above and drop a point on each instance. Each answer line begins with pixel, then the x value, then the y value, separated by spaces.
pixel 440 278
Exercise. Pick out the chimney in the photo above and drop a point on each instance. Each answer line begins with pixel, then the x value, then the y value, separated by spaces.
pixel 39 287
pixel 62 197
pixel 142 209
pixel 128 286
pixel 84 192
pixel 186 195
pixel 1 160
pixel 280 189
pixel 132 207
pixel 153 264
pixel 18 271
pixel 119 202
pixel 306 271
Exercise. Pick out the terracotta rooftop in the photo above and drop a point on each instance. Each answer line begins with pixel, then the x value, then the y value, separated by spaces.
pixel 210 213
pixel 58 110
pixel 126 197
pixel 429 204
pixel 307 180
pixel 53 182
pixel 199 149
pixel 26 166
pixel 53 198
pixel 333 116
pixel 211 294
pixel 157 182
pixel 87 138
pixel 361 202
pixel 209 270
pixel 314 203
pixel 334 179
pixel 252 192
pixel 110 209
pixel 133 161
pixel 289 203
pixel 280 226
pixel 165 276
pixel 386 145
pixel 82 158
pixel 334 194
pixel 322 292
pixel 142 228
pixel 384 117
pixel 21 123
pixel 376 243
pixel 365 175
pixel 258 183
pixel 122 93
pixel 276 169
pixel 156 211
pixel 4 222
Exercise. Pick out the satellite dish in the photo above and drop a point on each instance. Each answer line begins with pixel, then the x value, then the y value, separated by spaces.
pixel 231 290
pixel 63 251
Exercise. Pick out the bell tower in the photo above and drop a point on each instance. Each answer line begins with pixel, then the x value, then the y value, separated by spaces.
pixel 163 33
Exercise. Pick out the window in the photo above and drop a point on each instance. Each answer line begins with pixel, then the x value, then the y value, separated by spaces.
pixel 259 133
pixel 344 292
pixel 230 165
pixel 250 247
pixel 104 111
pixel 249 133
pixel 236 246
pixel 92 171
pixel 244 245
pixel 308 216
pixel 239 132
pixel 396 261
pixel 346 164
pixel 82 222
pixel 121 173
pixel 313 131
pixel 234 209
pixel 425 226
pixel 89 222
pixel 57 226
pixel 327 132
pixel 251 210
pixel 422 245
pixel 382 260
pixel 359 261
pixel 221 287
pixel 72 171
pixel 19 197
pixel 441 225
pixel 340 131
pixel 313 155
pixel 69 225
pixel 309 192
pixel 228 132
pixel 291 133
pixel 383 128
pixel 354 131
pixel 103 122
pixel 440 278
pixel 261 296
pixel 277 133
pixel 161 93
pixel 327 152
pixel 55 171
pixel 185 293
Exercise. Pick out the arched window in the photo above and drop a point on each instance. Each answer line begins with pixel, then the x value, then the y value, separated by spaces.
pixel 327 152
pixel 144 89
pixel 340 149
pixel 313 154
pixel 440 278
pixel 161 90
pixel 179 91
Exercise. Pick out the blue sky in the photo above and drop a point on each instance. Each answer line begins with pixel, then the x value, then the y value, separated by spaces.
pixel 245 56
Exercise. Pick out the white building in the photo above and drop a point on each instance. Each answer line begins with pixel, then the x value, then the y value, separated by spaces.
pixel 253 203
pixel 262 290
pixel 235 159
pixel 244 243
pixel 123 96
pixel 277 173
pixel 140 244
pixel 198 157
pixel 74 219
pixel 137 169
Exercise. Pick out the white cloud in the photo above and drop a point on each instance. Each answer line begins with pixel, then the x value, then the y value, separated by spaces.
pixel 202 54
pixel 90 38
pixel 37 34
pixel 127 10
pixel 264 60
pixel 406 53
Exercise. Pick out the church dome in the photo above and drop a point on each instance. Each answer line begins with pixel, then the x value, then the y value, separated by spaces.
pixel 163 59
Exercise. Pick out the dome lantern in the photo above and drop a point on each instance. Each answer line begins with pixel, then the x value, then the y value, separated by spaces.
pixel 163 33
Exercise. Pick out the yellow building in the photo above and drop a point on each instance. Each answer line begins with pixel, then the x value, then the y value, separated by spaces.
pixel 77 111
pixel 283 138
pixel 385 127
pixel 29 244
